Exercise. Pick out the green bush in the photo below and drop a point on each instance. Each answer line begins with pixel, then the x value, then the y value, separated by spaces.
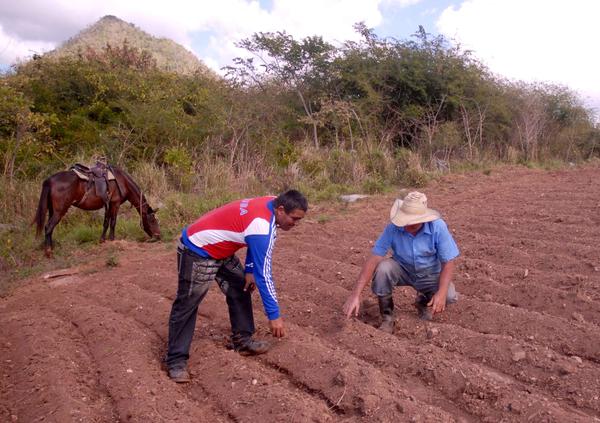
pixel 342 167
pixel 312 164
pixel 374 184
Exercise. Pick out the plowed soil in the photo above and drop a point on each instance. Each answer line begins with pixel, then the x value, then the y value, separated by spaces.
pixel 522 344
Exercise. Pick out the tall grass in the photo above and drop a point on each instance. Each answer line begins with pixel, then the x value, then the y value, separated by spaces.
pixel 321 175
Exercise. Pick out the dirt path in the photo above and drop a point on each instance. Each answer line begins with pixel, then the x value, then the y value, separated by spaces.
pixel 521 345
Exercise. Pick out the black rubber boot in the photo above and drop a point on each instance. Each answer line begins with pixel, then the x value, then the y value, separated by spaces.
pixel 386 308
pixel 424 312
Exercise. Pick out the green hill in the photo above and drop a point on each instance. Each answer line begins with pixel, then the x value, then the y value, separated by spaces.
pixel 169 55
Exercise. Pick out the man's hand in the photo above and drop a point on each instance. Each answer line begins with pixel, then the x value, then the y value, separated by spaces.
pixel 352 306
pixel 277 327
pixel 438 302
pixel 250 282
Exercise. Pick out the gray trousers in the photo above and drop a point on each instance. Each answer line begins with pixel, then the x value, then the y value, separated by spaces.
pixel 390 273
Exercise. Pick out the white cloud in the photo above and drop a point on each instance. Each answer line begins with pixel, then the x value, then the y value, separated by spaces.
pixel 401 3
pixel 531 40
pixel 13 50
pixel 332 19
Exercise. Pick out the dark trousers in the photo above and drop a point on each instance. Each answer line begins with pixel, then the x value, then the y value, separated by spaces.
pixel 195 274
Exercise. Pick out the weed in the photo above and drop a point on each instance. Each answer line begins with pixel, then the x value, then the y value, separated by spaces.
pixel 81 234
pixel 130 228
pixel 323 218
pixel 112 260
pixel 374 185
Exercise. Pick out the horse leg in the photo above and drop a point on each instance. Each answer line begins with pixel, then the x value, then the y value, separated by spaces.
pixel 55 217
pixel 113 211
pixel 48 228
pixel 105 224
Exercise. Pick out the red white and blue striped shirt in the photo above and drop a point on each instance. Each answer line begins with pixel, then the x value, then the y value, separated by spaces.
pixel 250 222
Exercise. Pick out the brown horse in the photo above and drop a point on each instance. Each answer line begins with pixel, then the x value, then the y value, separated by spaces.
pixel 65 189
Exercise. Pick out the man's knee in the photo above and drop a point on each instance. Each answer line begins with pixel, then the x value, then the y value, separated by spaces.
pixel 386 268
pixel 383 279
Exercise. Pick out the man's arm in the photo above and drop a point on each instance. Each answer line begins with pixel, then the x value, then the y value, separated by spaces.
pixel 260 249
pixel 447 251
pixel 250 284
pixel 352 304
pixel 438 301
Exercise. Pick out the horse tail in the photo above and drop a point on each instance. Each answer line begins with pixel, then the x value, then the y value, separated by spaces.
pixel 42 208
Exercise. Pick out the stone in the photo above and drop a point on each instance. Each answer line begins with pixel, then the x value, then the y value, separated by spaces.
pixel 578 316
pixel 431 332
pixel 518 354
pixel 351 198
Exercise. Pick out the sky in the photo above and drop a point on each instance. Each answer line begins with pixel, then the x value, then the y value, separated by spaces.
pixel 552 41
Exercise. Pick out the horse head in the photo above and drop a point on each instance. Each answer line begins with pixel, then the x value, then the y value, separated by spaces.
pixel 150 223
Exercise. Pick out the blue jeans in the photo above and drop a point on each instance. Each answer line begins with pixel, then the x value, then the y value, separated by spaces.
pixel 390 273
pixel 195 275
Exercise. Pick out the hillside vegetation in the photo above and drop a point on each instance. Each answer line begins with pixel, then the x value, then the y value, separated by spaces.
pixel 110 30
pixel 363 116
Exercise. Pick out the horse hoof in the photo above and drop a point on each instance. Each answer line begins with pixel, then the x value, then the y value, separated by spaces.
pixel 48 254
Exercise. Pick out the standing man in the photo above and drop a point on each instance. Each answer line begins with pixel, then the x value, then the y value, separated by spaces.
pixel 206 252
pixel 423 257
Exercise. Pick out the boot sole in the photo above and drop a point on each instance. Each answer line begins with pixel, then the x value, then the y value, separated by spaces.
pixel 387 328
pixel 249 353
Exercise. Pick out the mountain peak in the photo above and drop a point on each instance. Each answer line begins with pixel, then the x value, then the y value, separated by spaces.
pixel 109 29
pixel 109 18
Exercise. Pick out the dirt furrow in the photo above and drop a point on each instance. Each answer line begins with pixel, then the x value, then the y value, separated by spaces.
pixel 77 397
pixel 132 375
pixel 378 349
pixel 521 344
pixel 212 365
pixel 584 255
pixel 549 292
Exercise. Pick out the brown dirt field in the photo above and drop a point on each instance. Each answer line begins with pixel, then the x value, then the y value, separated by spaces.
pixel 522 344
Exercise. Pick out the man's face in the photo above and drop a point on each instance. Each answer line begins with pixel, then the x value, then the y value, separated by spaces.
pixel 287 221
pixel 413 229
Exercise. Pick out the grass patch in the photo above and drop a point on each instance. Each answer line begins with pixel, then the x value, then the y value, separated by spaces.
pixel 374 185
pixel 130 228
pixel 80 234
pixel 323 218
pixel 112 260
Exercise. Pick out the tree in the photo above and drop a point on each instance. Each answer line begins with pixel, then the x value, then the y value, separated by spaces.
pixel 20 127
pixel 301 66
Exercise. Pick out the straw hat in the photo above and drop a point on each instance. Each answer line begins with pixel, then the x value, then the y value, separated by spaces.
pixel 412 210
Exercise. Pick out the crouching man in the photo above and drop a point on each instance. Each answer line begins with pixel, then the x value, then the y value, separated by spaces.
pixel 423 253
pixel 206 252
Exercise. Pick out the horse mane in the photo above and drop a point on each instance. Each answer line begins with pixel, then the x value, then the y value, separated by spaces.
pixel 136 197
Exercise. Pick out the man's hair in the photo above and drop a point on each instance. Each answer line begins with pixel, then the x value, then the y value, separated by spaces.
pixel 291 200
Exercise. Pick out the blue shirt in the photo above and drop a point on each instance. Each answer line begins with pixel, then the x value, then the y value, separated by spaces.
pixel 420 253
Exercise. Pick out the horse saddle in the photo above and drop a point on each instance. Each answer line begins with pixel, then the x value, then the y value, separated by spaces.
pixel 97 177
